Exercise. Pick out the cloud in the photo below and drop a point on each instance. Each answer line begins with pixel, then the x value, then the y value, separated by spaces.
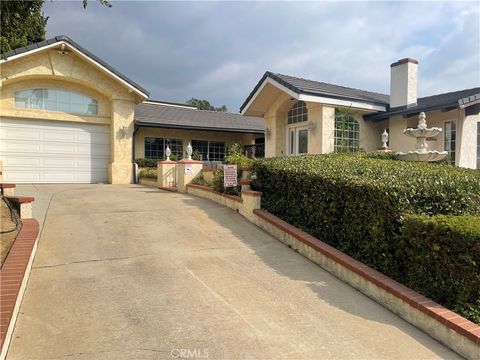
pixel 219 50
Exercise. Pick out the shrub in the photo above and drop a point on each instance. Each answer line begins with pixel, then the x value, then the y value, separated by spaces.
pixel 440 257
pixel 148 173
pixel 357 203
pixel 147 163
pixel 200 180
pixel 236 157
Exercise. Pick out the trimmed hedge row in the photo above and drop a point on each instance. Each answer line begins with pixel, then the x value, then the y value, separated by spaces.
pixel 147 163
pixel 148 173
pixel 439 256
pixel 358 202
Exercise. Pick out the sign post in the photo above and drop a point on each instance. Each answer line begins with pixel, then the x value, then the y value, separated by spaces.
pixel 229 176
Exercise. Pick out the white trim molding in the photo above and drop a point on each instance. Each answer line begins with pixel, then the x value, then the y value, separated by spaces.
pixel 313 98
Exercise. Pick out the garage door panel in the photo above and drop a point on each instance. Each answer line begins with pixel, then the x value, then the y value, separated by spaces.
pixel 52 152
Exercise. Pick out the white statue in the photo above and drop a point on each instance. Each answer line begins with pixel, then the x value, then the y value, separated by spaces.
pixel 422 121
pixel 189 151
pixel 385 139
pixel 168 152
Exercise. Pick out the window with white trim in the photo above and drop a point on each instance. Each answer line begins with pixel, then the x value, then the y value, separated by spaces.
pixel 56 100
pixel 298 113
pixel 449 140
pixel 155 147
pixel 210 150
pixel 347 132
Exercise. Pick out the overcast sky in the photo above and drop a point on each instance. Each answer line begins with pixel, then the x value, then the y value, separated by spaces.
pixel 219 50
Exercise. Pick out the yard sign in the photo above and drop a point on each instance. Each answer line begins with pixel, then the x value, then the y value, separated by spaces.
pixel 229 175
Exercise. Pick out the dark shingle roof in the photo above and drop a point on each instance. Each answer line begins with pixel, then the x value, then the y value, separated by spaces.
pixel 56 39
pixel 446 101
pixel 311 87
pixel 165 116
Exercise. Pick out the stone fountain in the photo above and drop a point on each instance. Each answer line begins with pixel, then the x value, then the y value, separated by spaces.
pixel 421 152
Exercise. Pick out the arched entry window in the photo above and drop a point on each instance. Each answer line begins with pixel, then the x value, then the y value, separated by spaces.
pixel 297 130
pixel 347 134
pixel 56 100
pixel 298 113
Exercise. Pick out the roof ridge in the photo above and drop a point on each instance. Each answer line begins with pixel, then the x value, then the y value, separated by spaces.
pixel 331 84
pixel 192 107
pixel 450 92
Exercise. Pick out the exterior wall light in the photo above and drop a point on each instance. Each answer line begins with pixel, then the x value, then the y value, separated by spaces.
pixel 312 126
pixel 124 130
pixel 268 133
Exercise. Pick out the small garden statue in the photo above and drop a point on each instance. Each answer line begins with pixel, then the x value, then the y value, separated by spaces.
pixel 168 152
pixel 189 151
pixel 385 139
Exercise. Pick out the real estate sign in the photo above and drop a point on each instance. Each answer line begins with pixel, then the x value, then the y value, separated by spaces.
pixel 229 175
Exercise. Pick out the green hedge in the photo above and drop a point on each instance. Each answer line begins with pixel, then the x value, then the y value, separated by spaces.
pixel 357 202
pixel 148 173
pixel 440 257
pixel 147 163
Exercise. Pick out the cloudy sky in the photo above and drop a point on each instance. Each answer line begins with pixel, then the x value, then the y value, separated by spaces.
pixel 219 50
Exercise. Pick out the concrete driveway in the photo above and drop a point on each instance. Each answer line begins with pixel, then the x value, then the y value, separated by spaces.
pixel 130 272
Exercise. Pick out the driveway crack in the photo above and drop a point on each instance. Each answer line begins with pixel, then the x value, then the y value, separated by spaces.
pixel 92 260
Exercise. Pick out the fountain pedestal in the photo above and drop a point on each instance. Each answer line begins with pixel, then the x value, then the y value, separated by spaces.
pixel 421 152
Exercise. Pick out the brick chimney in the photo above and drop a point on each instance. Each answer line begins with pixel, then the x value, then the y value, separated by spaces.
pixel 403 83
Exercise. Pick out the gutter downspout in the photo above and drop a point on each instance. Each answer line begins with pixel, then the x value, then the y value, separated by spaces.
pixel 135 166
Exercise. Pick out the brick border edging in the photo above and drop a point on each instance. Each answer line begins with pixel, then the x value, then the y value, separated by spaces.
pixel 209 189
pixel 14 274
pixel 430 308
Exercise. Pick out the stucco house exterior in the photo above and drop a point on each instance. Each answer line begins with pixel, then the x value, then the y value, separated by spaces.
pixel 311 117
pixel 211 133
pixel 66 116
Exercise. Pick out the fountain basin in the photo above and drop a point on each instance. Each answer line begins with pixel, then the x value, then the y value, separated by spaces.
pixel 416 133
pixel 421 156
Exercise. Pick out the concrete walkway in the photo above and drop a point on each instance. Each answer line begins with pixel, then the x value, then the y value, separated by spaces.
pixel 130 272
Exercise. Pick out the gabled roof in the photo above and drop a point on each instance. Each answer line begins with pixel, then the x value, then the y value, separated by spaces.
pixel 446 101
pixel 62 39
pixel 317 88
pixel 163 115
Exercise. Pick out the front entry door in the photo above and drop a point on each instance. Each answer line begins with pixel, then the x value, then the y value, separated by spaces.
pixel 297 140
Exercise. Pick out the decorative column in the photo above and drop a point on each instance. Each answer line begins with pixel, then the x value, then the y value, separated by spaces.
pixel 166 174
pixel 187 171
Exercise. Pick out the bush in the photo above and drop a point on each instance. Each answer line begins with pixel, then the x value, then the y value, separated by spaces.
pixel 147 163
pixel 148 173
pixel 440 257
pixel 236 157
pixel 357 203
pixel 200 180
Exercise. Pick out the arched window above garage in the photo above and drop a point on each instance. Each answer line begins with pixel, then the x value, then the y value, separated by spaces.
pixel 56 100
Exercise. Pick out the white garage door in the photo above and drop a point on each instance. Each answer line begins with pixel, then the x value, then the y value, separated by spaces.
pixel 37 151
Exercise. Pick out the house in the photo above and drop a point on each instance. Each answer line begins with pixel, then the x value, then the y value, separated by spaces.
pixel 311 117
pixel 66 116
pixel 211 133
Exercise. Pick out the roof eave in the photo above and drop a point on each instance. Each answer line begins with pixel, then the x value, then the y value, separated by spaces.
pixel 198 128
pixel 82 53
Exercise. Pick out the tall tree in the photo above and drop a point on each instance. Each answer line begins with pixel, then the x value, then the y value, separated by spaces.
pixel 21 23
pixel 205 105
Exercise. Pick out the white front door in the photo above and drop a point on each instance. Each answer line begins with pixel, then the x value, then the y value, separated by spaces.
pixel 297 140
pixel 38 151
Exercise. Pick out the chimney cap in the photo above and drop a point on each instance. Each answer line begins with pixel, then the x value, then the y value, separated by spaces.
pixel 404 61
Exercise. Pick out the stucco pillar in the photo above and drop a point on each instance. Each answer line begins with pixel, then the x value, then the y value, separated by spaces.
pixel 121 132
pixel 467 140
pixel 166 173
pixel 315 115
pixel 326 130
pixel 270 136
pixel 187 171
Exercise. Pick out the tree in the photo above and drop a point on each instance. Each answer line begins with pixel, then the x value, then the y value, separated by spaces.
pixel 205 105
pixel 23 22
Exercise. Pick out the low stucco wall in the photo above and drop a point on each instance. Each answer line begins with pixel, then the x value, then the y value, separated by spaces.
pixel 409 305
